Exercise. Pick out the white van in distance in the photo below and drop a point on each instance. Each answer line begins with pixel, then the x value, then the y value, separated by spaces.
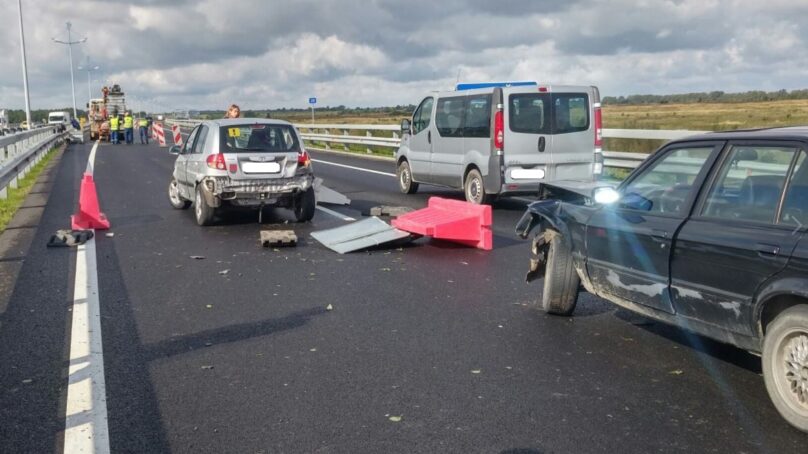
pixel 59 118
pixel 501 138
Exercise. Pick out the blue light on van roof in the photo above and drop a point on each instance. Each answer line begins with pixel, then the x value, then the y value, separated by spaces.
pixel 495 84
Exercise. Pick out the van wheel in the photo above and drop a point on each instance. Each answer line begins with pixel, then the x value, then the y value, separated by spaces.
pixel 785 365
pixel 203 212
pixel 404 175
pixel 474 187
pixel 174 196
pixel 304 206
pixel 561 281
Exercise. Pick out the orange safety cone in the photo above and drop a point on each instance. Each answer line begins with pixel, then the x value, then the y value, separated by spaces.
pixel 89 215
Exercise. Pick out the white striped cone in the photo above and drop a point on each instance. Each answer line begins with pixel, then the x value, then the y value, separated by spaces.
pixel 177 135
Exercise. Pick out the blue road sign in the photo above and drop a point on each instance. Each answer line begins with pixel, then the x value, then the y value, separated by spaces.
pixel 312 100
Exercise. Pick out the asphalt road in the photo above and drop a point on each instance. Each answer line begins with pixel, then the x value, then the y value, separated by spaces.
pixel 441 338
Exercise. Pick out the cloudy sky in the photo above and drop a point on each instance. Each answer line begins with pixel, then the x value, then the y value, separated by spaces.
pixel 200 54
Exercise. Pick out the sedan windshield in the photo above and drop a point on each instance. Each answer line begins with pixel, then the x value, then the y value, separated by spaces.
pixel 258 138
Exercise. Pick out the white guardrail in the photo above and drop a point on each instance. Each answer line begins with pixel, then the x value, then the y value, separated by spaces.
pixel 21 151
pixel 324 133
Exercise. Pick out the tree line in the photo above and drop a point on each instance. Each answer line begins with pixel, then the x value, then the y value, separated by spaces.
pixel 16 116
pixel 709 97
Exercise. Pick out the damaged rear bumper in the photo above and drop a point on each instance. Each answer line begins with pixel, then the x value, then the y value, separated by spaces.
pixel 279 191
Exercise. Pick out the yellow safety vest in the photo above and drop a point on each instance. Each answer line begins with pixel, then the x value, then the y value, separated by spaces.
pixel 144 122
pixel 114 123
pixel 128 122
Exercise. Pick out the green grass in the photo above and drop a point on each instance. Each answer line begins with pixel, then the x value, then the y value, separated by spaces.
pixel 9 205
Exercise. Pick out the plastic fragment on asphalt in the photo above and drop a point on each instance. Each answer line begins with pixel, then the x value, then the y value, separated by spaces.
pixel 329 308
pixel 395 418
pixel 198 257
pixel 364 234
pixel 68 238
pixel 278 238
pixel 323 194
pixel 391 211
pixel 452 220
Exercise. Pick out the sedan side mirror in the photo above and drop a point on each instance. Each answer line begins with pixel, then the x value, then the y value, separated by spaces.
pixel 605 195
pixel 405 126
pixel 175 149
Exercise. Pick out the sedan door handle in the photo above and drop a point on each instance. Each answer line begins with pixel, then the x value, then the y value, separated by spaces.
pixel 660 235
pixel 767 249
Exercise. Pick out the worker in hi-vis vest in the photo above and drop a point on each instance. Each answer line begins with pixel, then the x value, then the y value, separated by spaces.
pixel 143 124
pixel 128 127
pixel 114 127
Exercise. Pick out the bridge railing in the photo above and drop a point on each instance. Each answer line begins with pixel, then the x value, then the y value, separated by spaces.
pixel 21 151
pixel 388 137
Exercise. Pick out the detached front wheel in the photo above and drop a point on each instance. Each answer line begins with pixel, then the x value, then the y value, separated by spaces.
pixel 785 365
pixel 561 281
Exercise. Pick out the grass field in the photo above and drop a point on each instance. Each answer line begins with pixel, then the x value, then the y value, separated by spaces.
pixel 693 116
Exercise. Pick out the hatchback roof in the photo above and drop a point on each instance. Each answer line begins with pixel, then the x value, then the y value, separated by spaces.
pixel 243 121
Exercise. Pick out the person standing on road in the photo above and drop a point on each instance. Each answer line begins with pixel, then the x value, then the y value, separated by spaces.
pixel 144 130
pixel 128 127
pixel 233 112
pixel 114 126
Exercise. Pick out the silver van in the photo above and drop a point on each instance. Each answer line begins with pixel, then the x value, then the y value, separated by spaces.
pixel 501 139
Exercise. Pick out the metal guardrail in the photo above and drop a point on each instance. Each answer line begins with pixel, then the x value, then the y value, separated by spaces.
pixel 21 151
pixel 323 133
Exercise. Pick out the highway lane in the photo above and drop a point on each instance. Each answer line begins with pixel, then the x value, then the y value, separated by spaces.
pixel 439 335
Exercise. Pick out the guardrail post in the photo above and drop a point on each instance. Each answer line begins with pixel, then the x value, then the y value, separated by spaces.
pixel 367 149
pixel 345 145
pixel 3 193
pixel 327 146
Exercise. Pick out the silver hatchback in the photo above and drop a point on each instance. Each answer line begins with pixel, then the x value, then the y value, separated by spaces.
pixel 242 162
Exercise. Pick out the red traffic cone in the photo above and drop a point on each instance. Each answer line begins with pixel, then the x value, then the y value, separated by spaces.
pixel 89 215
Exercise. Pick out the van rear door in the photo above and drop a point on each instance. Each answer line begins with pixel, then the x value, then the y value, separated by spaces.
pixel 573 133
pixel 527 137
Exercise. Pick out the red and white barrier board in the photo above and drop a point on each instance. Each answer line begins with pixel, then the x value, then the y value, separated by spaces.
pixel 177 135
pixel 158 131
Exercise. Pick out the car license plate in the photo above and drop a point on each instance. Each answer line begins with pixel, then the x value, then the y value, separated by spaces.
pixel 260 167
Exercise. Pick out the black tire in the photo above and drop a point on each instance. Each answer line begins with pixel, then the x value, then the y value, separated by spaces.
pixel 203 212
pixel 785 362
pixel 474 188
pixel 305 205
pixel 561 281
pixel 175 198
pixel 404 175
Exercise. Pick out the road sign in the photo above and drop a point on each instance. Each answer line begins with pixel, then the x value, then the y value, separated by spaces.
pixel 312 100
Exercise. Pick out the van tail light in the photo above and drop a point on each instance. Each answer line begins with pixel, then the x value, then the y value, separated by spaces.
pixel 303 159
pixel 598 127
pixel 499 130
pixel 216 161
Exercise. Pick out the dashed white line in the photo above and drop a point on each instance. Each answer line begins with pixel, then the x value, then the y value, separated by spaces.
pixel 387 174
pixel 86 429
pixel 335 214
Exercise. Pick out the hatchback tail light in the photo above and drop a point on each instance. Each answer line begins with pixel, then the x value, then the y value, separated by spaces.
pixel 303 159
pixel 499 130
pixel 216 161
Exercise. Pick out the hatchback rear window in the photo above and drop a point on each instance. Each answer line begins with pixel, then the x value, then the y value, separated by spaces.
pixel 258 138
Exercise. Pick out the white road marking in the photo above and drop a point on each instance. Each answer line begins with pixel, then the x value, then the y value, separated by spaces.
pixel 86 429
pixel 387 174
pixel 335 214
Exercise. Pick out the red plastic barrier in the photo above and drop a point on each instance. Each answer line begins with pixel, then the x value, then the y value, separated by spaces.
pixel 452 220
pixel 158 131
pixel 89 215
pixel 177 135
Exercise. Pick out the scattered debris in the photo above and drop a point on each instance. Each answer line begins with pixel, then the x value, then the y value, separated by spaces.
pixel 364 234
pixel 109 234
pixel 208 367
pixel 69 238
pixel 198 257
pixel 390 211
pixel 278 238
pixel 476 371
pixel 224 272
pixel 209 306
pixel 329 308
pixel 323 194
pixel 312 349
pixel 28 380
pixel 395 418
pixel 676 372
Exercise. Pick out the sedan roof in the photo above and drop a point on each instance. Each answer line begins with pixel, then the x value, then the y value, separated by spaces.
pixel 788 133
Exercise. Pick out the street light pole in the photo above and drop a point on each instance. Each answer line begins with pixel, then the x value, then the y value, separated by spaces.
pixel 70 43
pixel 89 70
pixel 24 70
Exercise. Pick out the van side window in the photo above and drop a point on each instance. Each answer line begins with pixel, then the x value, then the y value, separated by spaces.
pixel 571 112
pixel 477 122
pixel 528 113
pixel 449 116
pixel 422 116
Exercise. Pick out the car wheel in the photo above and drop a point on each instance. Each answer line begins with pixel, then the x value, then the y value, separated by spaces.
pixel 561 281
pixel 305 205
pixel 174 196
pixel 785 365
pixel 475 188
pixel 404 175
pixel 203 212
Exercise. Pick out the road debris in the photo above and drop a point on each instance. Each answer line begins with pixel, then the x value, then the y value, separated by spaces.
pixel 109 234
pixel 198 257
pixel 224 272
pixel 395 418
pixel 476 371
pixel 278 238
pixel 359 235
pixel 390 211
pixel 676 372
pixel 323 194
pixel 329 308
pixel 70 238
pixel 208 367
